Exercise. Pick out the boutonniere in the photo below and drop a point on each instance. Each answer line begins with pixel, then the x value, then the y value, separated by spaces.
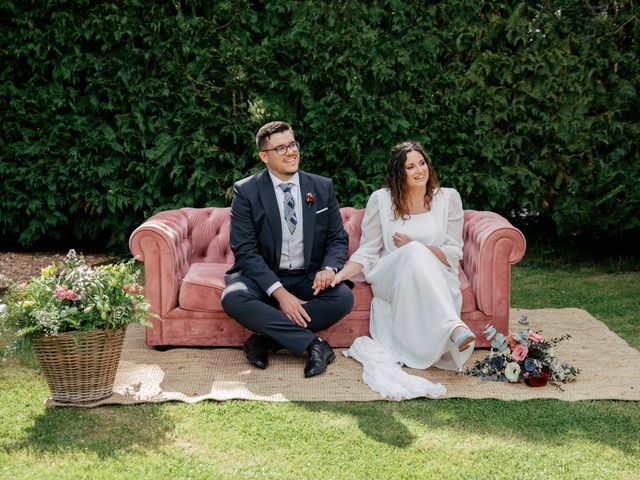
pixel 310 199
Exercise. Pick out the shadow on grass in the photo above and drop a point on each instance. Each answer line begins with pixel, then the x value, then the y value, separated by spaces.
pixel 381 421
pixel 105 431
pixel 549 422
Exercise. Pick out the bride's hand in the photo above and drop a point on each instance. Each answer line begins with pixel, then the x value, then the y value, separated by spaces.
pixel 337 279
pixel 400 239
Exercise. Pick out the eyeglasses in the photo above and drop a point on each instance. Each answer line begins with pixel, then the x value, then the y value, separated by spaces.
pixel 282 149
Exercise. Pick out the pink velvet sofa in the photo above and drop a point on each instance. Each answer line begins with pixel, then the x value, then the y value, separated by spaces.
pixel 186 252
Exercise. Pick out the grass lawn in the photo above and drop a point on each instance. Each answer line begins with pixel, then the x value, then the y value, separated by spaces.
pixel 413 439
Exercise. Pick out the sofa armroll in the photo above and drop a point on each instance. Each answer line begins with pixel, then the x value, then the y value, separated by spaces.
pixel 491 246
pixel 163 244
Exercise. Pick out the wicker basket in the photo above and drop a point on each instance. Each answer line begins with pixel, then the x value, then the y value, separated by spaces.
pixel 80 367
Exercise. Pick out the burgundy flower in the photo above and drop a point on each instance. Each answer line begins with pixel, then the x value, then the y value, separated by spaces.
pixel 310 198
pixel 539 380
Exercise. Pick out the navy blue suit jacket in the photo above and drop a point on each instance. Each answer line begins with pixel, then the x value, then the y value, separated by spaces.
pixel 256 231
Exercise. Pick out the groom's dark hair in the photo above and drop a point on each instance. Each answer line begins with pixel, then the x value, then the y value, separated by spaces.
pixel 269 129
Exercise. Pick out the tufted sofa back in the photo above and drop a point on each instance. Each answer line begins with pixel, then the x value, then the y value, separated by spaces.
pixel 206 232
pixel 185 236
pixel 208 235
pixel 352 221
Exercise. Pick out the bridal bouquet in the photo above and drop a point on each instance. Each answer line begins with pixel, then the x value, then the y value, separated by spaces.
pixel 524 356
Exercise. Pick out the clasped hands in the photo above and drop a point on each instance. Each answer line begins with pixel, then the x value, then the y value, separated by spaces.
pixel 326 278
pixel 353 268
pixel 291 306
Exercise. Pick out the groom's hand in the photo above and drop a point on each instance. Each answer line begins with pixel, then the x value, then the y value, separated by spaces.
pixel 323 280
pixel 291 307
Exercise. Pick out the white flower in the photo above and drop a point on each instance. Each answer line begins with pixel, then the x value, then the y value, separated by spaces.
pixel 512 372
pixel 3 307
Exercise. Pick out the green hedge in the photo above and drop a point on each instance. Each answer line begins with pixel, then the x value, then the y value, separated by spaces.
pixel 115 110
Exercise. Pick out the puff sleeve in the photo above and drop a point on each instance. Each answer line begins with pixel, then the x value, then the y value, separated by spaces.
pixel 452 244
pixel 371 242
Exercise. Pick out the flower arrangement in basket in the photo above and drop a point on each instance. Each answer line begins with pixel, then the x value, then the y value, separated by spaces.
pixel 75 318
pixel 524 356
pixel 75 297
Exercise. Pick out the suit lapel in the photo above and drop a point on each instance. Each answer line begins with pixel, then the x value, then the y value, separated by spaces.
pixel 270 203
pixel 308 215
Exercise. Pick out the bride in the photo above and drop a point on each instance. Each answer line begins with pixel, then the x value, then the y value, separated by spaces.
pixel 410 250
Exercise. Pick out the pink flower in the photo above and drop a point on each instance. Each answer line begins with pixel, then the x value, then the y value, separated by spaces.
pixel 133 289
pixel 63 293
pixel 60 292
pixel 519 353
pixel 534 337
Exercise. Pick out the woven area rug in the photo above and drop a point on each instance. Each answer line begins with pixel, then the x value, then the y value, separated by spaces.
pixel 610 370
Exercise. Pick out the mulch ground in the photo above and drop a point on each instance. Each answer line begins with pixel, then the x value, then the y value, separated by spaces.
pixel 20 267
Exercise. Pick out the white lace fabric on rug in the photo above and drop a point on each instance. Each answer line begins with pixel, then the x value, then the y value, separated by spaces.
pixel 383 372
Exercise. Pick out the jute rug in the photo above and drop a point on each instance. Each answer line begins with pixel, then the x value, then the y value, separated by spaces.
pixel 610 370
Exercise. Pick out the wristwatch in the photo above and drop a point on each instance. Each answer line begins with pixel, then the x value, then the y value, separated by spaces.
pixel 327 267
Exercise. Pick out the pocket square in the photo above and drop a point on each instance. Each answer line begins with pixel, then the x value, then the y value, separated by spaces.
pixel 320 211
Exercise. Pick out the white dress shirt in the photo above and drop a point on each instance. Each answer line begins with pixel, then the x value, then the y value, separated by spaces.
pixel 292 254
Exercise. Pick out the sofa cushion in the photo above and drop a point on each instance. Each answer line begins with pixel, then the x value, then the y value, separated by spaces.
pixel 202 287
pixel 362 296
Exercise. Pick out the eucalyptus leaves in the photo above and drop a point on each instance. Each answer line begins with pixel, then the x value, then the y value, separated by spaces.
pixel 524 356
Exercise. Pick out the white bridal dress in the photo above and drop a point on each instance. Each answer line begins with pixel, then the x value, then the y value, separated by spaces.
pixel 416 298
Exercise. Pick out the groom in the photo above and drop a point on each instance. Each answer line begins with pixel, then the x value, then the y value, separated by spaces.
pixel 288 241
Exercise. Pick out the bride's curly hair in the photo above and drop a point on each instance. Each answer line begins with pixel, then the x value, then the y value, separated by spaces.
pixel 395 178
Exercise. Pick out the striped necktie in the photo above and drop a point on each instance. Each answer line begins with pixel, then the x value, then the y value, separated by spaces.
pixel 289 207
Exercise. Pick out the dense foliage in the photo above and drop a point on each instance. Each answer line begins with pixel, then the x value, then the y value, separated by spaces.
pixel 114 110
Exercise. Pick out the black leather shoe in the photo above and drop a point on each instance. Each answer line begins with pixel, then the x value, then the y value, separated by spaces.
pixel 320 355
pixel 255 349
